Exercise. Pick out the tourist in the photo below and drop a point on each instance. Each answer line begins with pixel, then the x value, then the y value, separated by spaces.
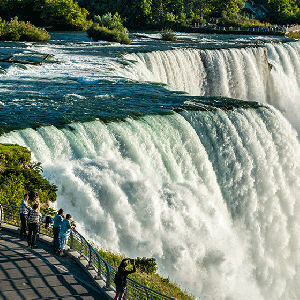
pixel 121 278
pixel 34 217
pixel 64 234
pixel 58 220
pixel 24 209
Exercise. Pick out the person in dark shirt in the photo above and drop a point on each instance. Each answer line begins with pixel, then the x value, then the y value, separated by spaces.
pixel 121 278
pixel 34 217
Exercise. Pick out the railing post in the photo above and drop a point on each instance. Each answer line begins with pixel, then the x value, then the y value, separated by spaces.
pixel 98 276
pixel 71 240
pixel 108 277
pixel 1 215
pixel 147 294
pixel 82 247
pixel 90 265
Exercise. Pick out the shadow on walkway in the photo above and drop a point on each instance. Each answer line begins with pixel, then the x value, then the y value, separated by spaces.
pixel 27 273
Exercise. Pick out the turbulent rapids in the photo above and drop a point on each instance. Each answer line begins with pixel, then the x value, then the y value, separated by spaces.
pixel 164 153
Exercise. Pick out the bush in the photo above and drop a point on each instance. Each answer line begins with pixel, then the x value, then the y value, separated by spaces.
pixel 146 265
pixel 168 35
pixel 18 175
pixel 109 28
pixel 294 34
pixel 21 31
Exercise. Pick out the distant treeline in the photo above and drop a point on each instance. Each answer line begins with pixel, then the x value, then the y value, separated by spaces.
pixel 143 14
pixel 54 14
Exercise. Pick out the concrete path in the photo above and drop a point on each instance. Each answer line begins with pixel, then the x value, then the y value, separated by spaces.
pixel 27 273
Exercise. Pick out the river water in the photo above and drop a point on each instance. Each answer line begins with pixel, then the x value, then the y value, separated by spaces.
pixel 187 152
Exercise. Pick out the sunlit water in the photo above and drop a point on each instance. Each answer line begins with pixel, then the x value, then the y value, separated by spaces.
pixel 186 152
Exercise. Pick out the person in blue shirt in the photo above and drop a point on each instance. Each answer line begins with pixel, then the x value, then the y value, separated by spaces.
pixel 57 222
pixel 64 233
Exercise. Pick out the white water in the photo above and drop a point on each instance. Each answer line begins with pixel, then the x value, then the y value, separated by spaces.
pixel 154 187
pixel 236 73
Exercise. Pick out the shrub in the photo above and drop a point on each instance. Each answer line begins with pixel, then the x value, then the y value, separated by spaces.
pixel 146 265
pixel 168 35
pixel 109 28
pixel 294 34
pixel 21 31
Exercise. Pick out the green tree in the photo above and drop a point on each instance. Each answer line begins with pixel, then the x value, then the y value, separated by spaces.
pixel 280 11
pixel 18 175
pixel 65 15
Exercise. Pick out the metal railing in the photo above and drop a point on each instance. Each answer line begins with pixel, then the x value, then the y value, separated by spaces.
pixel 9 214
pixel 267 30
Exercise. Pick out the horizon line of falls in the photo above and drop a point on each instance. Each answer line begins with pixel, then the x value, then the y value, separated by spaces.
pixel 212 195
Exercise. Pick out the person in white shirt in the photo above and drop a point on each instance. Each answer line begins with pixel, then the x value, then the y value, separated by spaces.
pixel 24 209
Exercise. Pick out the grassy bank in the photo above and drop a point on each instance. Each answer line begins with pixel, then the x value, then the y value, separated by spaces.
pixel 147 275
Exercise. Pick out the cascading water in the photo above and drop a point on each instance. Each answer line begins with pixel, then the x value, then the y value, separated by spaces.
pixel 211 195
pixel 269 74
pixel 210 190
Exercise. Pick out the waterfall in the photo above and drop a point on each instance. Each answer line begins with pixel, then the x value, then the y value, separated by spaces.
pixel 269 74
pixel 236 73
pixel 211 195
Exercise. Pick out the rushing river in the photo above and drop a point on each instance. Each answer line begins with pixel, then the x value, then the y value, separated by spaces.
pixel 187 152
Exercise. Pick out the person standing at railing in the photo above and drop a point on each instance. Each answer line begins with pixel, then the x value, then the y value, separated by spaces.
pixel 24 209
pixel 64 233
pixel 57 222
pixel 34 217
pixel 121 278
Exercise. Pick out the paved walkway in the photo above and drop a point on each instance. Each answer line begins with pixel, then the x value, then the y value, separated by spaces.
pixel 27 273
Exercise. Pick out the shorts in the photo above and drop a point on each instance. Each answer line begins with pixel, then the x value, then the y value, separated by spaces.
pixel 121 289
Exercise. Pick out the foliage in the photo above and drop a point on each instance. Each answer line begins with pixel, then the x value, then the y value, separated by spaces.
pixel 294 35
pixel 18 176
pixel 109 28
pixel 15 30
pixel 163 13
pixel 146 265
pixel 57 14
pixel 147 275
pixel 240 21
pixel 65 15
pixel 168 35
